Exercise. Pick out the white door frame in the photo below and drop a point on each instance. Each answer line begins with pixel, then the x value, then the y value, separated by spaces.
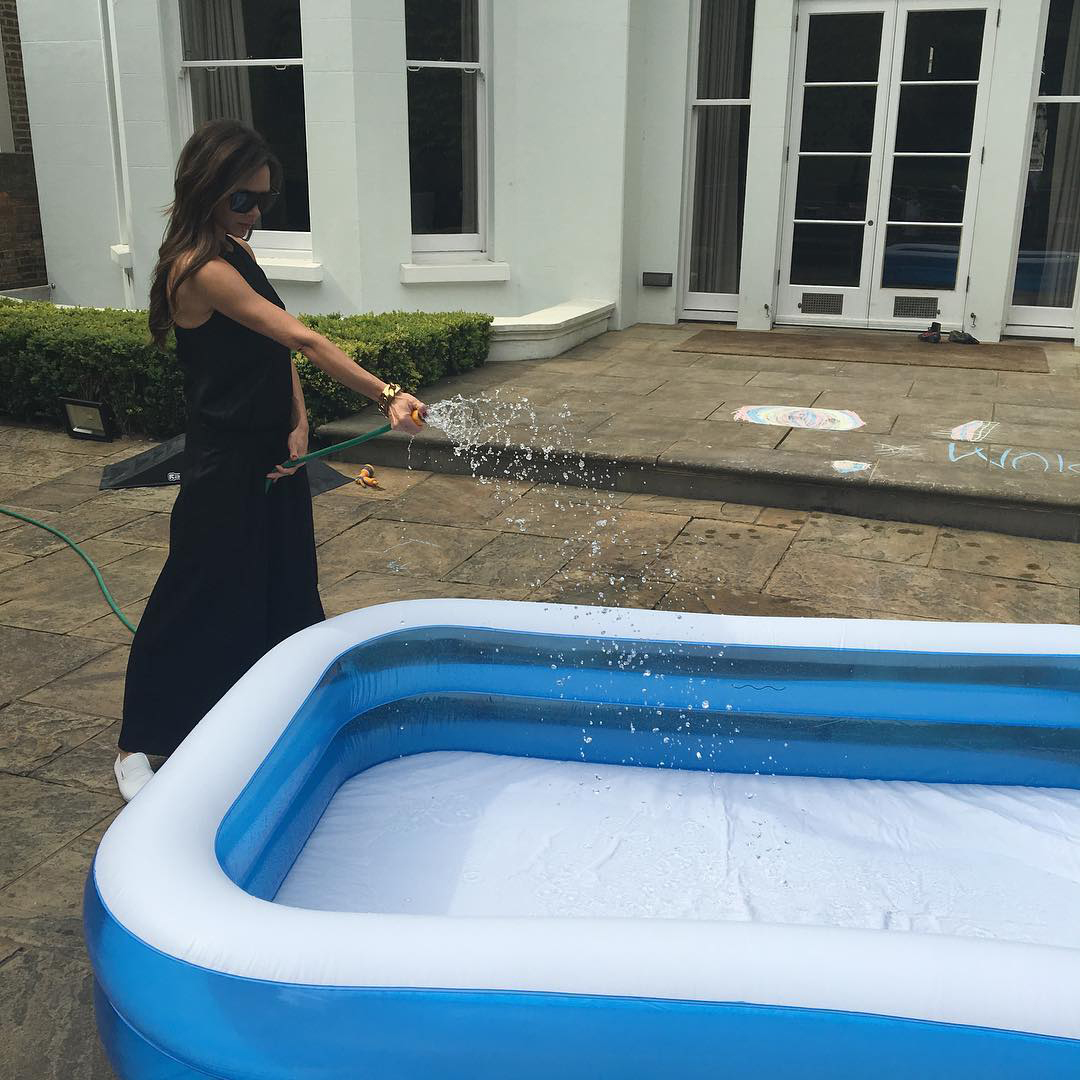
pixel 871 304
pixel 854 297
pixel 701 306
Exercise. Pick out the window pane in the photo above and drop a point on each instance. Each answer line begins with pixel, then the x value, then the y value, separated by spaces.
pixel 832 188
pixel 240 29
pixel 719 195
pixel 442 151
pixel 1050 234
pixel 827 254
pixel 920 258
pixel 1061 57
pixel 272 102
pixel 928 189
pixel 943 45
pixel 441 30
pixel 843 48
pixel 838 118
pixel 727 39
pixel 935 119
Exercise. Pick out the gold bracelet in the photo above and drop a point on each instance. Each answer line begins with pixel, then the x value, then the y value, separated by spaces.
pixel 389 392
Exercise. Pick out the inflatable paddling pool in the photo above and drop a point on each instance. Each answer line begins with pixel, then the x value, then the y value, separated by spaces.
pixel 481 840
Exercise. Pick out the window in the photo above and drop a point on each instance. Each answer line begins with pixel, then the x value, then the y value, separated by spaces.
pixel 242 60
pixel 443 41
pixel 1050 234
pixel 720 132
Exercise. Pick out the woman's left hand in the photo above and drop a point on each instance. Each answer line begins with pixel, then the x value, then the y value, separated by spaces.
pixel 298 447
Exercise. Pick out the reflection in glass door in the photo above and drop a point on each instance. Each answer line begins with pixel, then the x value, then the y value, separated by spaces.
pixel 719 137
pixel 884 164
pixel 1044 290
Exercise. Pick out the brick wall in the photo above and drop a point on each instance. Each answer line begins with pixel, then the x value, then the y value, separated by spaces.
pixel 22 253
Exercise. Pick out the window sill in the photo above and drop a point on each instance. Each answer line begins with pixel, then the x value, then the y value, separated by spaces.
pixel 414 273
pixel 296 267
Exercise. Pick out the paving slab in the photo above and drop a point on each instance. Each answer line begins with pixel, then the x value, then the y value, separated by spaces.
pixel 47 1028
pixel 33 735
pixel 867 539
pixel 1008 556
pixel 925 592
pixel 30 659
pixel 38 818
pixel 96 688
pixel 363 589
pixel 514 560
pixel 727 552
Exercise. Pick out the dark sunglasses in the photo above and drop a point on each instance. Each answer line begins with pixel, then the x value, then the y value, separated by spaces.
pixel 240 202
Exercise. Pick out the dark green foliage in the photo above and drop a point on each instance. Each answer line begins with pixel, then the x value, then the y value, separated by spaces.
pixel 48 352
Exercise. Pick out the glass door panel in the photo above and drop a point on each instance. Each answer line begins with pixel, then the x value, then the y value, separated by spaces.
pixel 834 160
pixel 932 158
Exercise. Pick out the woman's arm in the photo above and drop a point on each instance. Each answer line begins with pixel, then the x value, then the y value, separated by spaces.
pixel 218 286
pixel 299 406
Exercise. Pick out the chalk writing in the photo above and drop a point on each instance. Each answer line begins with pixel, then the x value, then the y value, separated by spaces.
pixel 1049 461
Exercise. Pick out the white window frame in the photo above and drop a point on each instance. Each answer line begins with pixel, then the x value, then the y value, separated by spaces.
pixel 268 241
pixel 1028 320
pixel 431 243
pixel 702 306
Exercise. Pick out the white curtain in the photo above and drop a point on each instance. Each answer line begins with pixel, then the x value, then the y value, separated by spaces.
pixel 214 30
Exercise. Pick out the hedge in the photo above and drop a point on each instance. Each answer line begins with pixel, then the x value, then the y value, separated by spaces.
pixel 48 352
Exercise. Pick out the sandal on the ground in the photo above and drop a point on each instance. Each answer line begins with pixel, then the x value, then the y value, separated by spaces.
pixel 933 335
pixel 962 337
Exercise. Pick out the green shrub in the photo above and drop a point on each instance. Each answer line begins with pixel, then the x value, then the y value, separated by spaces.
pixel 48 352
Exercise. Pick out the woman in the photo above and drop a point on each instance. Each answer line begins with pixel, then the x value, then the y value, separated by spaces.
pixel 241 574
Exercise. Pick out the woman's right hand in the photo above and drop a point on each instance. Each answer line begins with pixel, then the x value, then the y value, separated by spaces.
pixel 401 413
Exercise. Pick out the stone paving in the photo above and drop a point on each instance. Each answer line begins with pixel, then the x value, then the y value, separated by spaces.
pixel 643 416
pixel 62 655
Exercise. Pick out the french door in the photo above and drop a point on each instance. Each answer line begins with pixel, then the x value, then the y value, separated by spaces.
pixel 885 148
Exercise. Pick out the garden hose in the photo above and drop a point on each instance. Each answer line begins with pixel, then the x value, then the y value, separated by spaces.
pixel 417 418
pixel 78 551
pixel 292 463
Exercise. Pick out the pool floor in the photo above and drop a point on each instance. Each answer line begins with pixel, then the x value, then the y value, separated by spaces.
pixel 470 834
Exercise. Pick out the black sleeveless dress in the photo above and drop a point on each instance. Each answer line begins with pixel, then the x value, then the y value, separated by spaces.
pixel 241 574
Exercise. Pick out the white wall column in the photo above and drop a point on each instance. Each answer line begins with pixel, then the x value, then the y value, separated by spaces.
pixel 1015 80
pixel 770 91
pixel 68 99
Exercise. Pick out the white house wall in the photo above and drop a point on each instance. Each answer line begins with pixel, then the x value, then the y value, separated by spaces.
pixel 67 96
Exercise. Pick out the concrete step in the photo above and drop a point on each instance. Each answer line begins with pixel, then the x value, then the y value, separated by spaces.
pixel 964 487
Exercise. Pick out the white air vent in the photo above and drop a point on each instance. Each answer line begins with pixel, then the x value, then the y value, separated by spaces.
pixel 915 307
pixel 821 303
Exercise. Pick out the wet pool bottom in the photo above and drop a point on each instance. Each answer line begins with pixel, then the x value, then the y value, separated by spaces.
pixel 471 834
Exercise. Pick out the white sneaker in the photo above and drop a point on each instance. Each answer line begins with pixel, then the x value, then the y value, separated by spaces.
pixel 132 773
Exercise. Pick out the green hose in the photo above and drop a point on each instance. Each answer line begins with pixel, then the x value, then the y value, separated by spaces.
pixel 97 573
pixel 78 551
pixel 292 463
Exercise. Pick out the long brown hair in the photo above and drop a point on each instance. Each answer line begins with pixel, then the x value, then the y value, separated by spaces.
pixel 220 155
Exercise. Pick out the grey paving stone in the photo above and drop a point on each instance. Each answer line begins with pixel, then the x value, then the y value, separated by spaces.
pixel 729 553
pixel 600 590
pixel 455 500
pixel 627 541
pixel 827 579
pixel 37 819
pixel 695 508
pixel 363 589
pixel 377 546
pixel 513 560
pixel 867 539
pixel 88 765
pixel 723 600
pixel 31 735
pixel 1049 561
pixel 96 688
pixel 30 659
pixel 47 1028
pixel 92 518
